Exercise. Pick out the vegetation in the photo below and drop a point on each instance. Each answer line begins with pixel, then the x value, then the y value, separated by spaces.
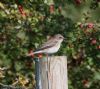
pixel 25 24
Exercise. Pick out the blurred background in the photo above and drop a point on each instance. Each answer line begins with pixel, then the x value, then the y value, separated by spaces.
pixel 25 24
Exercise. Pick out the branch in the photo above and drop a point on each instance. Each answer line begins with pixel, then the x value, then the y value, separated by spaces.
pixel 3 86
pixel 4 9
pixel 4 68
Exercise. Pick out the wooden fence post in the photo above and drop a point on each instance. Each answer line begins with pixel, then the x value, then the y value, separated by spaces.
pixel 53 72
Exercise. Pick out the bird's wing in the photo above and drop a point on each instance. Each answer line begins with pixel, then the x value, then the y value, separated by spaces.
pixel 48 44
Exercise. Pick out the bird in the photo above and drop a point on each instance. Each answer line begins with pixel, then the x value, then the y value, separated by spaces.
pixel 51 46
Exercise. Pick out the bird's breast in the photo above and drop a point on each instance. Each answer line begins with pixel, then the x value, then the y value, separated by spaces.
pixel 53 49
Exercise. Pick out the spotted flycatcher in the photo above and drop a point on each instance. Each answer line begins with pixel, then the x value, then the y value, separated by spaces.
pixel 51 46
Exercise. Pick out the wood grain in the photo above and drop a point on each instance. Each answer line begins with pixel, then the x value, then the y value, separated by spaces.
pixel 53 72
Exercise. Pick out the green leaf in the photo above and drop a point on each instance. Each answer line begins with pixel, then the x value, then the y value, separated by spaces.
pixel 97 76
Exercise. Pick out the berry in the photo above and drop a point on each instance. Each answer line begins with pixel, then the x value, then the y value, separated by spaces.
pixel 40 55
pixel 85 83
pixel 90 25
pixel 21 10
pixel 94 41
pixel 51 8
pixel 78 2
pixel 81 25
pixel 98 47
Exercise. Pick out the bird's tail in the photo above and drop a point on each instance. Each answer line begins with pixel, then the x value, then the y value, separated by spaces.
pixel 30 54
pixel 33 53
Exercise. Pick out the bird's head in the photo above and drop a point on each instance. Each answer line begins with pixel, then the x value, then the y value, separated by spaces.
pixel 59 37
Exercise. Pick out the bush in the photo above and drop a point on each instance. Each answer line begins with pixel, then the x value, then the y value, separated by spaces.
pixel 26 24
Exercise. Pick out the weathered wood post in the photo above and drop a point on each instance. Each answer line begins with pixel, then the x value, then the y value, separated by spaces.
pixel 53 73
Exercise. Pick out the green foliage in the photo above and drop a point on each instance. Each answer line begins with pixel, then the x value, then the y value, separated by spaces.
pixel 25 24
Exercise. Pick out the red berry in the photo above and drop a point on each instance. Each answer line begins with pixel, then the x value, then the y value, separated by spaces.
pixel 78 2
pixel 20 7
pixel 90 25
pixel 81 25
pixel 21 10
pixel 94 41
pixel 98 47
pixel 51 9
pixel 40 55
pixel 85 82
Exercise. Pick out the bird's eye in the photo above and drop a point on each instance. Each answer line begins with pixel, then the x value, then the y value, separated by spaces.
pixel 60 37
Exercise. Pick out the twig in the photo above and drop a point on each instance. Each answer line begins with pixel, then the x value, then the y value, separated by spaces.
pixel 4 9
pixel 3 86
pixel 4 68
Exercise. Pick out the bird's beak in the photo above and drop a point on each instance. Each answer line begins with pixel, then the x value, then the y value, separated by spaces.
pixel 65 39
